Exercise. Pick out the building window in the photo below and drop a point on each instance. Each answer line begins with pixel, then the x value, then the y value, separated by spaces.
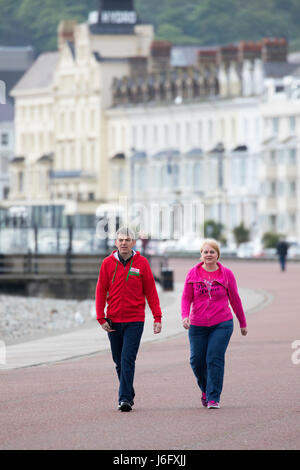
pixel 281 188
pixel 279 88
pixel 93 120
pixel 4 139
pixel 200 132
pixel 140 179
pixel 210 130
pixel 198 176
pixel 292 188
pixel 175 176
pixel 133 137
pixel 292 156
pixel 275 125
pixel 4 165
pixel 281 157
pixel 121 179
pixel 5 193
pixel 155 135
pixel 187 133
pixel 178 136
pixel 272 222
pixel 144 131
pixel 233 129
pixel 166 135
pixel 292 121
pixel 222 129
pixel 292 221
pixel 21 181
pixel 273 157
pixel 62 122
pixel 273 188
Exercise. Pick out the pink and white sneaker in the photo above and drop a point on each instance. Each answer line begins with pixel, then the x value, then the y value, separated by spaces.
pixel 213 405
pixel 204 400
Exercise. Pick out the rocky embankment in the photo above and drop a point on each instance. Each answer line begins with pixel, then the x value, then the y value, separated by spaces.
pixel 30 317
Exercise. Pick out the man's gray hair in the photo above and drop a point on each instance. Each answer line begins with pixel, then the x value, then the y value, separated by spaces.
pixel 126 231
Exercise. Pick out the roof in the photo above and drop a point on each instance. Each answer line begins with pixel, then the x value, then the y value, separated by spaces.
pixel 15 58
pixel 279 69
pixel 294 57
pixel 40 74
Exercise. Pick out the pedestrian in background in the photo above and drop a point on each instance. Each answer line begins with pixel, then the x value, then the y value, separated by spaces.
pixel 282 251
pixel 125 281
pixel 209 287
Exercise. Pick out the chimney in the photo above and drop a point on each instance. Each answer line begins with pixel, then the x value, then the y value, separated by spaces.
pixel 274 50
pixel 227 54
pixel 160 53
pixel 65 32
pixel 249 51
pixel 207 58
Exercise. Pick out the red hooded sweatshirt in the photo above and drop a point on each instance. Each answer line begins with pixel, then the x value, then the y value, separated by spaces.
pixel 124 289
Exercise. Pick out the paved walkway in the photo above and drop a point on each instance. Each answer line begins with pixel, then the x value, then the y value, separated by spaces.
pixel 91 340
pixel 72 404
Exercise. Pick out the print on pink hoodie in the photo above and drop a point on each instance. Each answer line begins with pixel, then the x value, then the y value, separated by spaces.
pixel 210 306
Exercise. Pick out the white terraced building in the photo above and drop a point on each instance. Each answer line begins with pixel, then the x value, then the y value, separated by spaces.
pixel 116 116
pixel 279 202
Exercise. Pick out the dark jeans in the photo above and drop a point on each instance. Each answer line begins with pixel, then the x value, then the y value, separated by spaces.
pixel 208 345
pixel 124 343
pixel 282 261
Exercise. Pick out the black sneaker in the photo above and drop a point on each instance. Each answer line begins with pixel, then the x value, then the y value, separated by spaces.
pixel 125 406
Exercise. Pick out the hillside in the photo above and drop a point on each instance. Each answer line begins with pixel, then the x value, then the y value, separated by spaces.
pixel 202 22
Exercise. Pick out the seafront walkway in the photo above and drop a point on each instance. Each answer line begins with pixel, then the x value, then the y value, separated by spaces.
pixel 60 392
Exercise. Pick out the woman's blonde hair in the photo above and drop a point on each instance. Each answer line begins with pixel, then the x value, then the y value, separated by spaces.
pixel 212 242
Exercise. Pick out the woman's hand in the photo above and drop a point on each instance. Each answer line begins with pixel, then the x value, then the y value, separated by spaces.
pixel 244 331
pixel 186 323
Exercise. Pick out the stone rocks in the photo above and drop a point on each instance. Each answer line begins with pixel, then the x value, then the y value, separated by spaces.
pixel 30 317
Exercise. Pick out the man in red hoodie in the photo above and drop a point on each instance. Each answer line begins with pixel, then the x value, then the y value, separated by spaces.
pixel 125 281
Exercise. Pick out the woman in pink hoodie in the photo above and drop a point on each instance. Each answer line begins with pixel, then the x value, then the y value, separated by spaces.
pixel 209 288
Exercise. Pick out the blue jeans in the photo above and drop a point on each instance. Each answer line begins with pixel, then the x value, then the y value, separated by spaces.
pixel 208 345
pixel 282 261
pixel 124 343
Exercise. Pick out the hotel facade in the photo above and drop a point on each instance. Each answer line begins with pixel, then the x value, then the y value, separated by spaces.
pixel 114 117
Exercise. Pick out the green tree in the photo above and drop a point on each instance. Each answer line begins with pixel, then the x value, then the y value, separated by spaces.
pixel 201 22
pixel 241 234
pixel 270 239
pixel 214 230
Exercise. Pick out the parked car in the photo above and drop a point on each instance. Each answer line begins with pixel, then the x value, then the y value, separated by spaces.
pixel 250 249
pixel 294 251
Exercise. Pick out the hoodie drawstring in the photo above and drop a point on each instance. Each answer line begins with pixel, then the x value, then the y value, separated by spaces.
pixel 117 268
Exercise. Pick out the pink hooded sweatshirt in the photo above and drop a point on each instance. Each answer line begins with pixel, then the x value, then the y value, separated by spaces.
pixel 210 304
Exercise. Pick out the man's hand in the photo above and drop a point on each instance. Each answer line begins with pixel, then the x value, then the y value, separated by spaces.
pixel 244 331
pixel 157 328
pixel 107 328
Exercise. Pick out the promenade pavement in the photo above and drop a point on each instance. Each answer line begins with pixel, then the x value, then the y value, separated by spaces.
pixel 92 339
pixel 72 404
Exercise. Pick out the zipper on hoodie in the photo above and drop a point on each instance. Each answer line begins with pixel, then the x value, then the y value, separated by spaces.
pixel 124 270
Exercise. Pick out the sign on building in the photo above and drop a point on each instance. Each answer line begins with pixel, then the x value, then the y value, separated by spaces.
pixel 117 12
